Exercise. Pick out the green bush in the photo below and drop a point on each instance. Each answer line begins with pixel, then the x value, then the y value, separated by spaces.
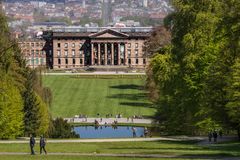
pixel 61 129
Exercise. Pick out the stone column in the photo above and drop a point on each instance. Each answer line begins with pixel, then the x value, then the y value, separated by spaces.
pixel 92 54
pixel 112 54
pixel 125 54
pixel 119 58
pixel 99 53
pixel 105 54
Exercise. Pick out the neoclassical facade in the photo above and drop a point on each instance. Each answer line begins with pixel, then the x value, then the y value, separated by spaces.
pixel 73 48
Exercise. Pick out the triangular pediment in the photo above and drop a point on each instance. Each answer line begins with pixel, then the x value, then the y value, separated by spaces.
pixel 109 33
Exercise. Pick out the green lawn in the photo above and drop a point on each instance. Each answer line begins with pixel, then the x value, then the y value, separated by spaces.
pixel 90 95
pixel 43 157
pixel 186 148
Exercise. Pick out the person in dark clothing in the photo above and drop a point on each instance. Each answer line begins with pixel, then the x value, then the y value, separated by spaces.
pixel 215 135
pixel 134 132
pixel 145 132
pixel 42 144
pixel 210 135
pixel 32 143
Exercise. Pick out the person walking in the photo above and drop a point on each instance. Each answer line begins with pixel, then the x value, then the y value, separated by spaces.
pixel 42 144
pixel 215 135
pixel 32 144
pixel 210 135
pixel 134 132
pixel 145 132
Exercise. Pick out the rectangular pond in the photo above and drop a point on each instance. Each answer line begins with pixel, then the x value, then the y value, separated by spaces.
pixel 108 131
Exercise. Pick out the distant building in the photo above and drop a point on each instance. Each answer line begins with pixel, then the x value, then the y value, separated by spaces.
pixel 74 48
pixel 145 3
pixel 127 23
pixel 84 3
pixel 34 52
pixel 47 25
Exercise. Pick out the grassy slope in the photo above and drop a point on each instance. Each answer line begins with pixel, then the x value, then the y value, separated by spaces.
pixel 162 147
pixel 90 96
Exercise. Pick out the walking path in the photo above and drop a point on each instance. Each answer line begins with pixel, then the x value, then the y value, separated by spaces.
pixel 219 140
pixel 129 155
pixel 92 140
pixel 109 121
pixel 95 73
pixel 202 140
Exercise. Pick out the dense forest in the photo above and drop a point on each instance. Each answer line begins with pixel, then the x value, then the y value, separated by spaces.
pixel 194 79
pixel 24 102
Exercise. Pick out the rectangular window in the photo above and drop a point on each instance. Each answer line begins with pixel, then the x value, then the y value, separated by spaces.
pixel 59 45
pixel 66 45
pixel 37 52
pixel 74 62
pixel 50 52
pixel 136 61
pixel 73 45
pixel 58 53
pixel 81 61
pixel 59 61
pixel 129 61
pixel 136 53
pixel 32 52
pixel 32 44
pixel 129 45
pixel 136 45
pixel 32 61
pixel 66 61
pixel 81 52
pixel 43 60
pixel 144 61
pixel 37 61
pixel 37 44
pixel 73 52
pixel 66 53
pixel 41 44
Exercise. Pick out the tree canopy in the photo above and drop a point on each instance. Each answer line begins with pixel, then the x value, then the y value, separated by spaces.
pixel 196 75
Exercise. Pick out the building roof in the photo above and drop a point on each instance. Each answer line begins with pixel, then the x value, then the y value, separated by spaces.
pixel 98 29
pixel 94 32
pixel 49 24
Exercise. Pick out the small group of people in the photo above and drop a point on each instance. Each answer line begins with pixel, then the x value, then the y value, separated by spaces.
pixel 42 144
pixel 214 134
pixel 145 132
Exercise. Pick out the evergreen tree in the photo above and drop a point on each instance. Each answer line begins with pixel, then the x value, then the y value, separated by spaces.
pixel 31 108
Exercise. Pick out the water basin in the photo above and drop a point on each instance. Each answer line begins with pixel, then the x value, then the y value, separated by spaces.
pixel 108 131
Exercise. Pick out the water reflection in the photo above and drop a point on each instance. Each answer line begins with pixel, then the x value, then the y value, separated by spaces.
pixel 109 131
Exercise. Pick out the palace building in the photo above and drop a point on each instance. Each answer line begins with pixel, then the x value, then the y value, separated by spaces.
pixel 34 52
pixel 73 48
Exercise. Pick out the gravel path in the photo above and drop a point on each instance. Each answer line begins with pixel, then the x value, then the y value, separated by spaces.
pixel 129 155
pixel 94 73
pixel 91 140
pixel 109 121
pixel 219 140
